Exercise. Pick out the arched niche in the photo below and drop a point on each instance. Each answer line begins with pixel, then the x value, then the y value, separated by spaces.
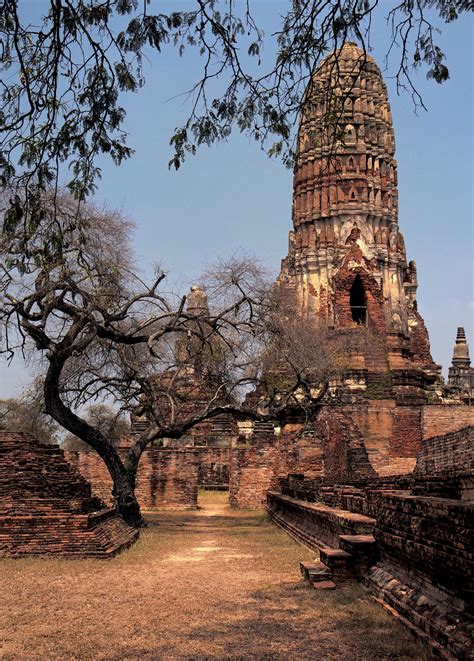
pixel 350 135
pixel 351 166
pixel 358 302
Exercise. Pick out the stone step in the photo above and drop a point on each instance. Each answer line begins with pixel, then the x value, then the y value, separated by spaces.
pixel 341 563
pixel 324 585
pixel 363 549
pixel 335 557
pixel 359 545
pixel 315 572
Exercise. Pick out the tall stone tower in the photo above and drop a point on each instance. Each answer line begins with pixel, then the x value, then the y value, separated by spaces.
pixel 346 263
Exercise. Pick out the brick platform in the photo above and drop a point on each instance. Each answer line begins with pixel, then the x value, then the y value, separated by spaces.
pixel 426 568
pixel 417 558
pixel 46 507
pixel 314 524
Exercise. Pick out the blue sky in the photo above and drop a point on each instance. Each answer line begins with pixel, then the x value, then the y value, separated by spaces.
pixel 231 197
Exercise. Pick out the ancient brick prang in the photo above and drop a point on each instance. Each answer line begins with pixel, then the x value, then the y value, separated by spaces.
pixel 46 507
pixel 347 263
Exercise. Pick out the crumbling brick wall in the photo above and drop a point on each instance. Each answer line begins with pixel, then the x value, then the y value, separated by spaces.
pixel 253 472
pixel 301 450
pixel 407 431
pixel 166 477
pixel 214 466
pixel 46 507
pixel 453 452
pixel 426 563
pixel 439 419
pixel 344 453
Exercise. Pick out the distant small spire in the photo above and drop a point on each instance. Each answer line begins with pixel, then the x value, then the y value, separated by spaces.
pixel 461 348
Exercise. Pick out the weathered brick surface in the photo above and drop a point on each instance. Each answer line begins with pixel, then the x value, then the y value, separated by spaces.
pixel 391 434
pixel 316 524
pixel 344 453
pixel 214 467
pixel 438 420
pixel 424 538
pixel 453 452
pixel 407 432
pixel 46 507
pixel 253 472
pixel 167 478
pixel 301 450
pixel 426 568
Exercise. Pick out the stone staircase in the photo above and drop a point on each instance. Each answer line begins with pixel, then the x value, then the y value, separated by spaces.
pixel 344 539
pixel 339 566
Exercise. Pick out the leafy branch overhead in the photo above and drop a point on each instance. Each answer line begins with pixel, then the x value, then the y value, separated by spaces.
pixel 62 79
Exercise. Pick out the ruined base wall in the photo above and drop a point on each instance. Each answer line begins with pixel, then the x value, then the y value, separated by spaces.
pixel 46 507
pixel 438 420
pixel 166 478
pixel 447 453
pixel 426 567
pixel 423 527
pixel 253 472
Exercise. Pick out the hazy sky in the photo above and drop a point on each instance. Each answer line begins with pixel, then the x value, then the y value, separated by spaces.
pixel 231 197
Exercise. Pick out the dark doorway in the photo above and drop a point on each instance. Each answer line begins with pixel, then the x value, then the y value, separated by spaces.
pixel 358 301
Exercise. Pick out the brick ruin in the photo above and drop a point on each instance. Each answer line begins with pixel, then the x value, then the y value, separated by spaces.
pixel 400 515
pixel 380 480
pixel 47 508
pixel 408 538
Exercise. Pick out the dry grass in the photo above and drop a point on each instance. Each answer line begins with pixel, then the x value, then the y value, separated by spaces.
pixel 211 584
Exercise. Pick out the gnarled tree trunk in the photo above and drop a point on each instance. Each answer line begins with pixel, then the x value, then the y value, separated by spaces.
pixel 124 487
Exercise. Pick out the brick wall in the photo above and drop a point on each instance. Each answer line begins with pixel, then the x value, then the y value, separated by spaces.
pixel 426 567
pixel 46 507
pixel 453 452
pixel 375 422
pixel 438 420
pixel 407 431
pixel 252 473
pixel 301 451
pixel 214 466
pixel 166 477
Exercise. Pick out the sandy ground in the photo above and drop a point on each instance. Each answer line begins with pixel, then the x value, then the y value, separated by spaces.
pixel 210 584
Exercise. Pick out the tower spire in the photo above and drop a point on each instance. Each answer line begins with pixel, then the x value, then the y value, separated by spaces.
pixel 347 263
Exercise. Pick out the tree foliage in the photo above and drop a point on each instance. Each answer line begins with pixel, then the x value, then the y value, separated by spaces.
pixel 26 414
pixel 61 103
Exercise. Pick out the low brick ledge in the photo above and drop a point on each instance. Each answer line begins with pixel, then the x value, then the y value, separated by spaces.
pixel 332 512
pixel 285 512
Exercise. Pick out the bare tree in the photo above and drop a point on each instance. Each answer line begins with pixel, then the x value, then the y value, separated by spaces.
pixel 176 361
pixel 111 423
pixel 102 332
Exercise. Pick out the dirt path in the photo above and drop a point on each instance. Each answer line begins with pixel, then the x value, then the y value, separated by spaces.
pixel 211 584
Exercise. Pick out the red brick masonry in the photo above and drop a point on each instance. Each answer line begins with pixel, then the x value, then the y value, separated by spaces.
pixel 423 525
pixel 46 507
pixel 167 478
